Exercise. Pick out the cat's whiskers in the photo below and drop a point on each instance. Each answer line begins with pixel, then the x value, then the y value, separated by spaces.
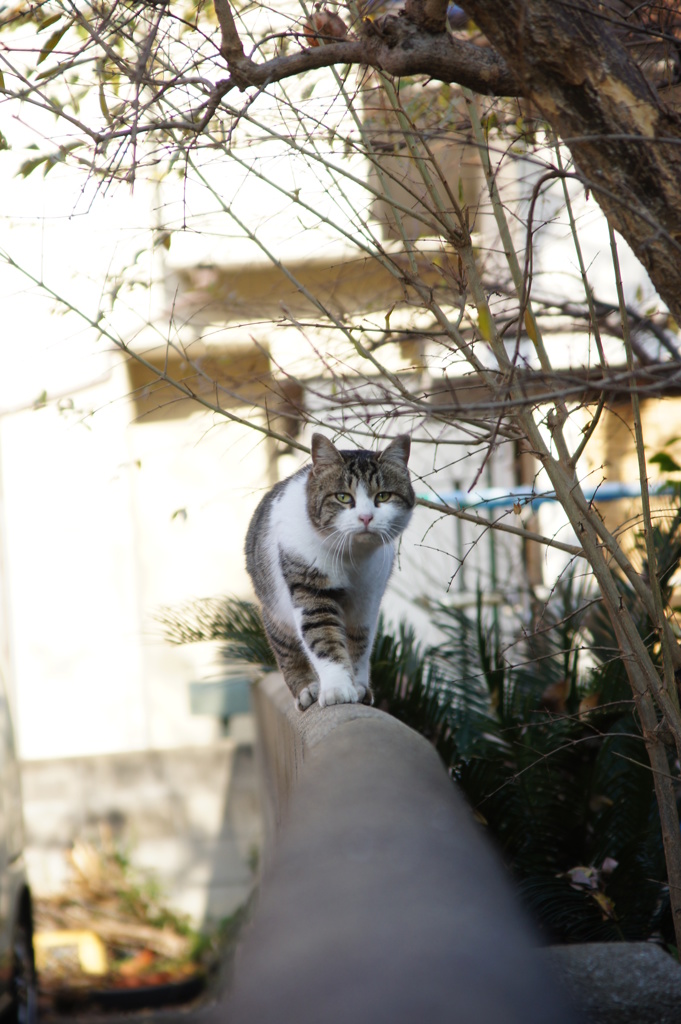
pixel 386 545
pixel 340 540
pixel 339 551
pixel 350 547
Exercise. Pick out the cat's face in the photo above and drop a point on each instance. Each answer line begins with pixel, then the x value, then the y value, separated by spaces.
pixel 364 496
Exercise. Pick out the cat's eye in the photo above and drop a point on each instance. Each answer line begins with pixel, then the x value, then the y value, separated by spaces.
pixel 383 496
pixel 345 499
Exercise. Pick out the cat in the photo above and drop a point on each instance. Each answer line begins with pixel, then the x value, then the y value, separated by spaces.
pixel 319 550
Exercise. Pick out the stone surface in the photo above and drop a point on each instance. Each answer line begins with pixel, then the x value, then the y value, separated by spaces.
pixel 619 982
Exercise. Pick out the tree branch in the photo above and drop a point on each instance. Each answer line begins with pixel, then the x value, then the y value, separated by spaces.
pixel 395 45
pixel 231 47
pixel 518 531
pixel 599 102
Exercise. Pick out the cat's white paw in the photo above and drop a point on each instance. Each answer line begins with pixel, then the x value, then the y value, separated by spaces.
pixel 337 693
pixel 307 696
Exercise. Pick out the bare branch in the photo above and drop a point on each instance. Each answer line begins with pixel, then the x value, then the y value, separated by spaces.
pixel 231 47
pixel 394 45
pixel 471 517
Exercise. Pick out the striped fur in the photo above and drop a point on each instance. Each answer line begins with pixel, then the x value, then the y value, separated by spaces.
pixel 320 549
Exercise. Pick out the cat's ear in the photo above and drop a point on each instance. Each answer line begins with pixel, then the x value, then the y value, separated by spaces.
pixel 324 454
pixel 398 450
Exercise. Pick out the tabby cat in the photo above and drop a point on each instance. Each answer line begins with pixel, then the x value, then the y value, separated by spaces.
pixel 320 549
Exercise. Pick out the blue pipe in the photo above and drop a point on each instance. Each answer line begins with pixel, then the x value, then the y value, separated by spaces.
pixel 504 497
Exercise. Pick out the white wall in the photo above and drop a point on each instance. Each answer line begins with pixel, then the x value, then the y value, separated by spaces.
pixel 105 521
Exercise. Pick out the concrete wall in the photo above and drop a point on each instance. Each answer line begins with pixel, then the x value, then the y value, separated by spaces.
pixel 189 817
pixel 381 900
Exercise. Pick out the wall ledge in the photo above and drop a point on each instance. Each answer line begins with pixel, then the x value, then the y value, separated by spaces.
pixel 380 902
pixel 289 737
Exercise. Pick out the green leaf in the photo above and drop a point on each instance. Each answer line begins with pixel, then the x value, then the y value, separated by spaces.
pixel 51 20
pixel 51 43
pixel 666 463
pixel 58 69
pixel 50 160
pixel 103 105
pixel 29 166
pixel 485 323
pixel 489 122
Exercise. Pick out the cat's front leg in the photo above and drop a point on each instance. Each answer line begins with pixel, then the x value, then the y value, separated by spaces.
pixel 293 662
pixel 360 639
pixel 321 627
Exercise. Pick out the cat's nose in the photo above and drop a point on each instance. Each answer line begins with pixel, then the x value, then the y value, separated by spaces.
pixel 366 519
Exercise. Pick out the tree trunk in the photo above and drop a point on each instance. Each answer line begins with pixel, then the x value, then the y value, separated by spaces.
pixel 626 144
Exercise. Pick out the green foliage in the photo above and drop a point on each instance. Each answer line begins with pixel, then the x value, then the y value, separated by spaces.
pixel 544 739
pixel 47 160
pixel 408 684
pixel 237 623
pixel 666 462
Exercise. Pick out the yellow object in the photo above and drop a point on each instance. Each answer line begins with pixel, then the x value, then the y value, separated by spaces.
pixel 87 946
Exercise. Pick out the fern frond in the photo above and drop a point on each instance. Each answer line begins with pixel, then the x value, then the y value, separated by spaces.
pixel 235 622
